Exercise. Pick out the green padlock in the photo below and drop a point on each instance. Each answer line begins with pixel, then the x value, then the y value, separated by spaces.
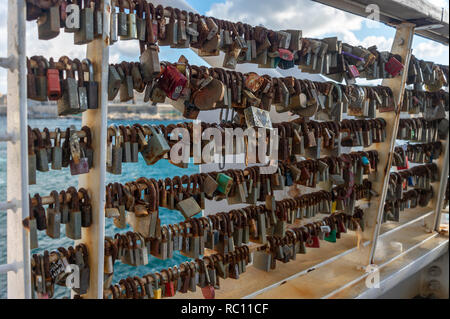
pixel 225 183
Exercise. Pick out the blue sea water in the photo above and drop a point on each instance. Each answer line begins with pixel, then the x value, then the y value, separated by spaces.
pixel 59 180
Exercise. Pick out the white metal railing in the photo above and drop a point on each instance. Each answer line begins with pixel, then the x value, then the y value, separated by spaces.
pixel 17 205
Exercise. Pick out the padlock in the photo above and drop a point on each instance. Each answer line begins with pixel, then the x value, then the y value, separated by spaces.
pixel 86 209
pixel 86 146
pixel 225 183
pixel 134 145
pixel 54 92
pixel 79 164
pixel 69 103
pixel 64 208
pixel 40 78
pixel 73 227
pixel 41 152
pixel 84 272
pixel 56 154
pixel 98 20
pixel 127 86
pixel 114 82
pixel 150 65
pixel 91 86
pixel 130 22
pixel 122 21
pixel 39 213
pixel 82 90
pixel 141 23
pixel 116 163
pixel 54 217
pixel 158 146
pixel 262 260
pixel 188 207
pixel 126 149
pixel 31 82
pixel 172 82
pixel 49 23
pixel 86 32
pixel 113 36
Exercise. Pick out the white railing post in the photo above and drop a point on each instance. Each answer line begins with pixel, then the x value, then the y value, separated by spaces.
pixel 18 249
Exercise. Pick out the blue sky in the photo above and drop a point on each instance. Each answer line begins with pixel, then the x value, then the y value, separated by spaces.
pixel 314 19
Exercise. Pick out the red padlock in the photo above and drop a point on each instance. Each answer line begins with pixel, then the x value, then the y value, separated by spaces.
pixel 53 82
pixel 170 288
pixel 353 70
pixel 172 82
pixel 393 67
pixel 286 54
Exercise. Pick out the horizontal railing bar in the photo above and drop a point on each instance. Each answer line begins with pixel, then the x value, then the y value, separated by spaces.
pixel 8 63
pixel 12 204
pixel 10 267
pixel 7 137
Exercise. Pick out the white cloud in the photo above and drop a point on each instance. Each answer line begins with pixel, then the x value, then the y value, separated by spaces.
pixel 313 18
pixel 429 50
pixel 382 43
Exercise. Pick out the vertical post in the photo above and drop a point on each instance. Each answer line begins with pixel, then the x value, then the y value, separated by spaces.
pixel 18 247
pixel 401 46
pixel 94 182
pixel 443 168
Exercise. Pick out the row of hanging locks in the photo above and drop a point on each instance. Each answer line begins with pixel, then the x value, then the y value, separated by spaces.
pixel 297 139
pixel 72 84
pixel 241 43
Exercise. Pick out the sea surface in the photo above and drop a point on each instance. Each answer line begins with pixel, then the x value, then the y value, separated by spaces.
pixel 59 180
